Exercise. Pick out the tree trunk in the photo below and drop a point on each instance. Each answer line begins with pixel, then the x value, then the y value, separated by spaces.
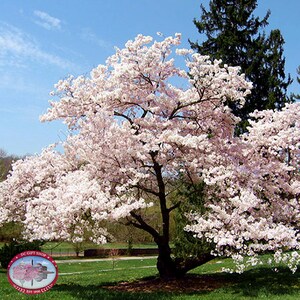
pixel 165 264
pixel 170 268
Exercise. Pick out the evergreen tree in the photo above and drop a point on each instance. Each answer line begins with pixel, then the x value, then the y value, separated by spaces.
pixel 236 36
pixel 187 246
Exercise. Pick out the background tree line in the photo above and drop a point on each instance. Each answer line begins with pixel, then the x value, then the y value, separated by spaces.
pixel 5 163
pixel 10 230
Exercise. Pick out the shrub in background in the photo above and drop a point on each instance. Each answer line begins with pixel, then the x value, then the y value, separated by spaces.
pixel 8 251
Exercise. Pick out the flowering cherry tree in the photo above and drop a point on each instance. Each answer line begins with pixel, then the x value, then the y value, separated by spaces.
pixel 140 123
pixel 256 209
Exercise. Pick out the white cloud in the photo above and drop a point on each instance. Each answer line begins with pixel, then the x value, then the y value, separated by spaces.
pixel 18 49
pixel 12 82
pixel 47 21
pixel 88 35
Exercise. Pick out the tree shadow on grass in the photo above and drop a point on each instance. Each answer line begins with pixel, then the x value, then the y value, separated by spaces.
pixel 147 288
pixel 94 292
pixel 256 283
pixel 266 282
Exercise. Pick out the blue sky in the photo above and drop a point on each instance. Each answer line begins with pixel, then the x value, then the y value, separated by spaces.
pixel 42 42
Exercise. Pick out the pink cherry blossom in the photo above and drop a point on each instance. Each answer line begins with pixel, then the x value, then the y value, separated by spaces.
pixel 137 126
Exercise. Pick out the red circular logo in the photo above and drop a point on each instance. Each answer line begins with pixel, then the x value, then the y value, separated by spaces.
pixel 32 272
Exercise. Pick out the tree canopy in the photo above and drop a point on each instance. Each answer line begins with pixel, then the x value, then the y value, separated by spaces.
pixel 134 132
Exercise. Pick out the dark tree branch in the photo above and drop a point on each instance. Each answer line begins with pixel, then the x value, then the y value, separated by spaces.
pixel 176 205
pixel 185 265
pixel 123 116
pixel 144 226
pixel 147 190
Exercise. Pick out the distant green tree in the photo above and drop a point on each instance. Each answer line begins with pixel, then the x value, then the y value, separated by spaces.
pixel 5 164
pixel 236 36
pixel 11 230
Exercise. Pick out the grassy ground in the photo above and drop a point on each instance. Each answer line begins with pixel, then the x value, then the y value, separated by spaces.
pixel 87 281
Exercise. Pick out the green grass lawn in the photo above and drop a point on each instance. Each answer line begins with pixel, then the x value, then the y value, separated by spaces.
pixel 262 282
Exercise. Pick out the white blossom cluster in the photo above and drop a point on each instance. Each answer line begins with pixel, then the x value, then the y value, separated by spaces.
pixel 129 121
